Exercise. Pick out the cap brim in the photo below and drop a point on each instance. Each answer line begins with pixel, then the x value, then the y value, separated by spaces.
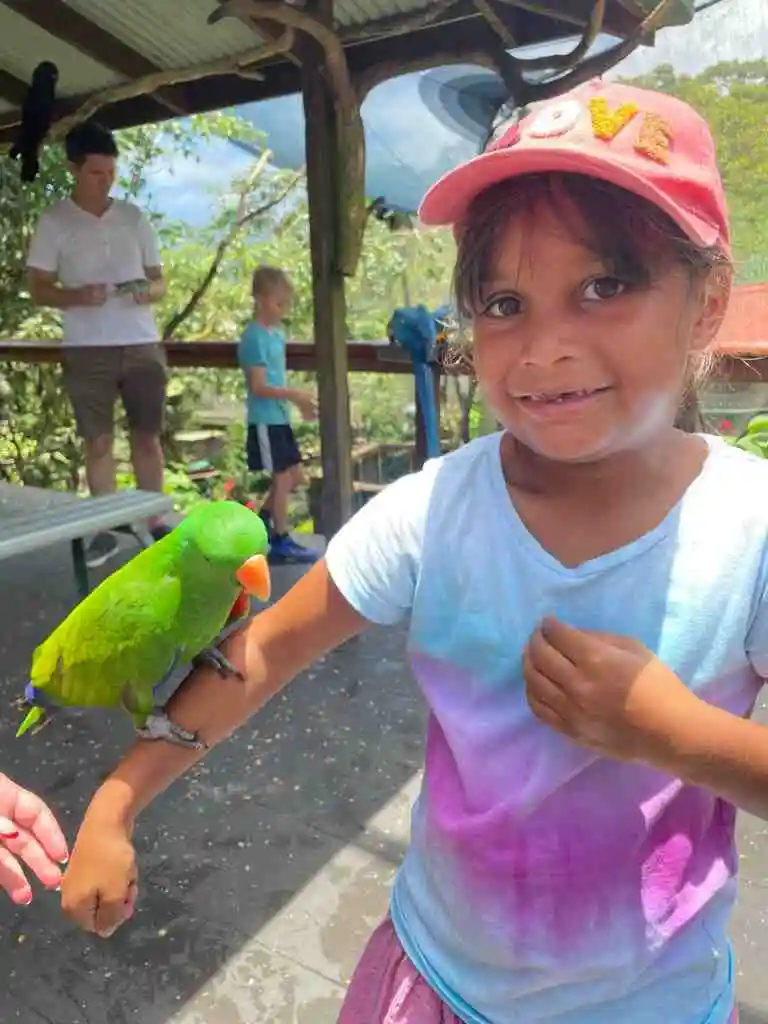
pixel 447 201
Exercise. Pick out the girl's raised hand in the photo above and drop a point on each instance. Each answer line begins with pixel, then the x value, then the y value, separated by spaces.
pixel 30 835
pixel 608 693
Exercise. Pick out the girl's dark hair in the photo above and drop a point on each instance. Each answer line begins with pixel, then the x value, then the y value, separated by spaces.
pixel 89 139
pixel 633 238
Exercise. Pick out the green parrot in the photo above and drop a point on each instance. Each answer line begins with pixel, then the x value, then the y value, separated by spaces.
pixel 161 610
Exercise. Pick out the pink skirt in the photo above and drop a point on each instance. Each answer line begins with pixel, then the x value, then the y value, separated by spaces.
pixel 387 989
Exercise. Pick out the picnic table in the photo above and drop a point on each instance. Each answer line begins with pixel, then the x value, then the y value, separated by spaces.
pixel 32 518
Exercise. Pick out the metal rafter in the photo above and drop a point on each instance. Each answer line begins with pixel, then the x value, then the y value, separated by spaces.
pixel 88 38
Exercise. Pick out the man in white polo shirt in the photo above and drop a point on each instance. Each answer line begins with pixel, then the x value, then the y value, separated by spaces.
pixel 97 259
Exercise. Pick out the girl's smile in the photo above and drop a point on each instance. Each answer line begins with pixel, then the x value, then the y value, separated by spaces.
pixel 561 402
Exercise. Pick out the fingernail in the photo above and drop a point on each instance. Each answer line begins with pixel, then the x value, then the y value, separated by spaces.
pixel 26 901
pixel 9 835
pixel 64 859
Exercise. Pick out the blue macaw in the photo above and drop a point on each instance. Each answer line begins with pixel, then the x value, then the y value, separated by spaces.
pixel 418 332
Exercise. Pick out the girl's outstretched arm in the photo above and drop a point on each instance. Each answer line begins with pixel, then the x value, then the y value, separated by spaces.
pixel 99 886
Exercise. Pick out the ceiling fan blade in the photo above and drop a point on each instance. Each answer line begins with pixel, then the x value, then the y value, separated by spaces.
pixel 464 99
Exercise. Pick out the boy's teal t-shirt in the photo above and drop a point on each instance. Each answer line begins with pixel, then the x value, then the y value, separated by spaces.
pixel 265 346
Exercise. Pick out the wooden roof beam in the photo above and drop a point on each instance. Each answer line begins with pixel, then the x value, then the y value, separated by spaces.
pixel 66 24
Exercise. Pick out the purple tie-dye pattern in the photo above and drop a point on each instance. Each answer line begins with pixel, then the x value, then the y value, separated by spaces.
pixel 560 854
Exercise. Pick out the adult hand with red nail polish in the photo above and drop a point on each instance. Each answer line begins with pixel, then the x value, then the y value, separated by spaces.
pixel 29 835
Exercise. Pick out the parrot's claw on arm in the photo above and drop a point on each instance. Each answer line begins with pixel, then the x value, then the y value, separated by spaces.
pixel 158 726
pixel 213 656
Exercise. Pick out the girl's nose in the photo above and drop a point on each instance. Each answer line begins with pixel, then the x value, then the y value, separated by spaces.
pixel 546 343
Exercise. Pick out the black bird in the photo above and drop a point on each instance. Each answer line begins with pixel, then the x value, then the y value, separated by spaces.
pixel 36 116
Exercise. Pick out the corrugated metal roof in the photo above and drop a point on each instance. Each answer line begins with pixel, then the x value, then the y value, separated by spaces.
pixel 745 328
pixel 359 12
pixel 171 33
pixel 175 33
pixel 23 45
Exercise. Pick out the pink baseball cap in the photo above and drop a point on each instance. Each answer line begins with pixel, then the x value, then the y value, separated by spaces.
pixel 646 142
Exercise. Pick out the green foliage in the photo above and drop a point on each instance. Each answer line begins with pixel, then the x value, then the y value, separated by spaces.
pixel 755 437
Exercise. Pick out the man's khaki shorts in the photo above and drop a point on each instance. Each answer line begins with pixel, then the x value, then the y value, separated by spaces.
pixel 95 375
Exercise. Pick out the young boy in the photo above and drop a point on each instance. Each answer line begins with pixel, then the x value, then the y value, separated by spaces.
pixel 271 445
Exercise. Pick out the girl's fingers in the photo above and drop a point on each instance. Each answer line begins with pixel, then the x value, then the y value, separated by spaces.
pixel 548 660
pixel 21 844
pixel 36 817
pixel 130 899
pixel 108 920
pixel 12 879
pixel 545 698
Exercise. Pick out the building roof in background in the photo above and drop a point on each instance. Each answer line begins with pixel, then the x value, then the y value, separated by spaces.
pixel 745 328
pixel 100 44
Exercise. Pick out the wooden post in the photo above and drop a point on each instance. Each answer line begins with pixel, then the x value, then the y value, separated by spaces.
pixel 324 196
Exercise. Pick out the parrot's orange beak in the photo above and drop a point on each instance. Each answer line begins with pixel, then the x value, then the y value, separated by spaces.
pixel 253 576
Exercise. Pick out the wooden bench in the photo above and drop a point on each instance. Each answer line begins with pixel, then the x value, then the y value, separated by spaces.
pixel 32 518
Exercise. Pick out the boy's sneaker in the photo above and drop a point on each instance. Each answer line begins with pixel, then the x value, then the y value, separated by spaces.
pixel 285 549
pixel 266 518
pixel 102 547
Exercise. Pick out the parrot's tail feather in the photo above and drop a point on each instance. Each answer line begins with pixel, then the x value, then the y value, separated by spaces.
pixel 35 719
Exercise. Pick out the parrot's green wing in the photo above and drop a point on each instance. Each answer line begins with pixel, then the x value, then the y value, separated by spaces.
pixel 120 640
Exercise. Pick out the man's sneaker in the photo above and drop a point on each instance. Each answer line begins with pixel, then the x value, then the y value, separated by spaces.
pixel 102 547
pixel 285 549
pixel 160 530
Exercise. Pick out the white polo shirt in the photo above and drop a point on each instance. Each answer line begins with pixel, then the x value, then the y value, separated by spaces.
pixel 83 249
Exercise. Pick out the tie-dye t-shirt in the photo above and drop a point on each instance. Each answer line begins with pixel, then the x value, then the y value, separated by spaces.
pixel 544 883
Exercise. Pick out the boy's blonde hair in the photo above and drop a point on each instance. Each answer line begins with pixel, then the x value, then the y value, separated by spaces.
pixel 267 279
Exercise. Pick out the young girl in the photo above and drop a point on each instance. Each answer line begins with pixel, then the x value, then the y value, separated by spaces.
pixel 586 595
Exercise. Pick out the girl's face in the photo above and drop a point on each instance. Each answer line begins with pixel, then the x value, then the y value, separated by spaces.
pixel 576 363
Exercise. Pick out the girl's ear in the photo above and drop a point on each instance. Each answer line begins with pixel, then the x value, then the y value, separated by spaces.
pixel 713 304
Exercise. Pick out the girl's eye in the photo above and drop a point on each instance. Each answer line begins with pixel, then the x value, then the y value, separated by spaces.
pixel 503 306
pixel 602 288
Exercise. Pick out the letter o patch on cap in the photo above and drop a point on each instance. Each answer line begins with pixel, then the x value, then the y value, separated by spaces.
pixel 556 120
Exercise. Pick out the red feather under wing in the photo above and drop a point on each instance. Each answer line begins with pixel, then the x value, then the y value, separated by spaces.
pixel 241 607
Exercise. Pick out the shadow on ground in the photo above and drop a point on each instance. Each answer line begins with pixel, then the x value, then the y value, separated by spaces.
pixel 278 816
pixel 749 1016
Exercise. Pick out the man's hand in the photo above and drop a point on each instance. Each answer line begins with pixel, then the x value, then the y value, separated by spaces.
pixel 29 834
pixel 142 293
pixel 90 295
pixel 608 693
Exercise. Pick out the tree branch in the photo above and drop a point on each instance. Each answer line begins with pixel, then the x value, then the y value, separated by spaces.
pixel 243 217
pixel 350 136
pixel 238 64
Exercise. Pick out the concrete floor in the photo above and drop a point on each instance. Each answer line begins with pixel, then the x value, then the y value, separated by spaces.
pixel 265 870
